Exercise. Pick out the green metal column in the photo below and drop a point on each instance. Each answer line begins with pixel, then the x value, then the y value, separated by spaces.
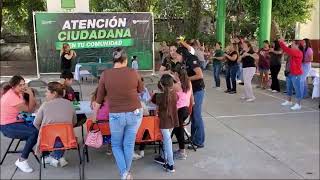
pixel 265 21
pixel 221 21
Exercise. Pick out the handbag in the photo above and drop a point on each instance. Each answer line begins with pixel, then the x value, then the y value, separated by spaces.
pixel 94 137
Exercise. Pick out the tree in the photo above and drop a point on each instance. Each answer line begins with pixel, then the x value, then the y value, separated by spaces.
pixel 18 18
pixel 285 13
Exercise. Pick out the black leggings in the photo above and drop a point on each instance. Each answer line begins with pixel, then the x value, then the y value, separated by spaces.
pixel 183 114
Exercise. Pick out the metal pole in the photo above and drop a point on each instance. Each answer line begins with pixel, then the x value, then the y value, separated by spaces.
pixel 35 43
pixel 221 20
pixel 265 21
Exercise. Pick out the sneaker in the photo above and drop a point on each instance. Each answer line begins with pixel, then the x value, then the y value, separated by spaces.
pixel 196 146
pixel 274 91
pixel 169 168
pixel 23 166
pixel 243 98
pixel 136 157
pixel 227 91
pixel 141 153
pixel 232 92
pixel 159 160
pixel 219 89
pixel 129 176
pixel 51 161
pixel 296 107
pixel 251 99
pixel 63 162
pixel 287 103
pixel 241 83
pixel 179 155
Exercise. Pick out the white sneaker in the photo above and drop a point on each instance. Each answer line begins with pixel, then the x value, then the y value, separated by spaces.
pixel 142 153
pixel 52 161
pixel 23 166
pixel 219 89
pixel 63 162
pixel 243 98
pixel 296 107
pixel 274 91
pixel 287 103
pixel 251 99
pixel 136 157
pixel 269 89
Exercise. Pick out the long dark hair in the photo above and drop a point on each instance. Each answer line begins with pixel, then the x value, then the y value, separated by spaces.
pixel 276 45
pixel 184 79
pixel 308 44
pixel 166 85
pixel 249 45
pixel 14 81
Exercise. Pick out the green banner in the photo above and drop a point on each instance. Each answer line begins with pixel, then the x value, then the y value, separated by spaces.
pixel 93 36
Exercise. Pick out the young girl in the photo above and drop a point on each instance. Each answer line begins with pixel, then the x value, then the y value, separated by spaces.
pixel 184 91
pixel 103 114
pixel 167 104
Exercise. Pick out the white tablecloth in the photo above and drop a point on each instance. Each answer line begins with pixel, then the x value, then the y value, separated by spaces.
pixel 316 82
pixel 79 73
pixel 84 108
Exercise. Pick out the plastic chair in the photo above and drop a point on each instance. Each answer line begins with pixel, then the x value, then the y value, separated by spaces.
pixel 48 135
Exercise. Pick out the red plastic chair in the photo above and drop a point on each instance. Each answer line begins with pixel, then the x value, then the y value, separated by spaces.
pixel 48 135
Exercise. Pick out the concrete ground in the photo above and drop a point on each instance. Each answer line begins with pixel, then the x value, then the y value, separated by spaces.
pixel 260 140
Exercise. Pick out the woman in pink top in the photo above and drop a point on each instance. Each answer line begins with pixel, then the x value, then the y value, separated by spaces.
pixel 306 66
pixel 183 88
pixel 11 104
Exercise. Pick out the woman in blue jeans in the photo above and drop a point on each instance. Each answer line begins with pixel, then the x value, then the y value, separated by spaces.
pixel 232 69
pixel 217 63
pixel 11 104
pixel 191 63
pixel 121 85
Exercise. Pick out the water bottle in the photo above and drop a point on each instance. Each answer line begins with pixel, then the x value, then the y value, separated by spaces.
pixel 99 60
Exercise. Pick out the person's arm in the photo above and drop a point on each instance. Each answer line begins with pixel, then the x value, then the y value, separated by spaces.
pixel 191 97
pixel 198 75
pixel 310 54
pixel 39 117
pixel 232 58
pixel 286 49
pixel 32 103
pixel 100 97
pixel 186 45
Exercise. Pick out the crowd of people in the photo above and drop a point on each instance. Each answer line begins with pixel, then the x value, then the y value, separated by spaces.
pixel 180 95
pixel 240 61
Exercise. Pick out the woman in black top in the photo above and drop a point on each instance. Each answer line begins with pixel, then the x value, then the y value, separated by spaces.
pixel 275 65
pixel 248 59
pixel 232 68
pixel 66 56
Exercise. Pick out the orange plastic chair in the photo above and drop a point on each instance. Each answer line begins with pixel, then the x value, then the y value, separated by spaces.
pixel 149 124
pixel 48 135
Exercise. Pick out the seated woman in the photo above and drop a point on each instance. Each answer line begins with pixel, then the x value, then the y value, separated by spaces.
pixel 55 110
pixel 12 103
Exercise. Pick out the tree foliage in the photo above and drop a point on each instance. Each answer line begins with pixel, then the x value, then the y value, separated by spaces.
pixel 285 13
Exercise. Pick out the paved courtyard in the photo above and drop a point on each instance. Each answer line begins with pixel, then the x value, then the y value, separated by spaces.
pixel 259 140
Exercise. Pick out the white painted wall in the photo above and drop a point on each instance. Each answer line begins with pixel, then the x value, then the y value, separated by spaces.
pixel 310 29
pixel 55 6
